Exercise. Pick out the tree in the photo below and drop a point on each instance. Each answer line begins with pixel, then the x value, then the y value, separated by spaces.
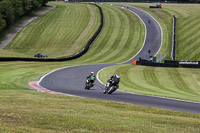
pixel 7 11
pixel 44 2
pixel 18 8
pixel 2 23
pixel 27 5
pixel 36 4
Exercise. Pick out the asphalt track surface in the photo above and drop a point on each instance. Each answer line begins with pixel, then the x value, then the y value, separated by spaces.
pixel 71 80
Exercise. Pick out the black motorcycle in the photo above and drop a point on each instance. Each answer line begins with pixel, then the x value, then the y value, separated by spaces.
pixel 110 87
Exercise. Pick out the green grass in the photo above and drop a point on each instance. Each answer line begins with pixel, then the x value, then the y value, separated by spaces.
pixel 187 28
pixel 16 75
pixel 164 18
pixel 63 31
pixel 179 83
pixel 41 112
pixel 22 110
pixel 19 21
pixel 120 39
pixel 122 32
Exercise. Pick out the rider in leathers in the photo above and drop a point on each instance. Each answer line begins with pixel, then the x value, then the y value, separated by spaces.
pixel 114 80
pixel 90 76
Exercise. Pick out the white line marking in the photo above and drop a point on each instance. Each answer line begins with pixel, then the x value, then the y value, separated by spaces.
pixel 144 38
pixel 119 63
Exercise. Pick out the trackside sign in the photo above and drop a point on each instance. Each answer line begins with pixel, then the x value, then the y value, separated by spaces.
pixel 189 62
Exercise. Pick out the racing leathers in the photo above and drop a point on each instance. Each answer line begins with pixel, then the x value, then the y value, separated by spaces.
pixel 91 78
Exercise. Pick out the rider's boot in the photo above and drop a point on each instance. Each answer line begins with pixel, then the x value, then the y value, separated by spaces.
pixel 104 92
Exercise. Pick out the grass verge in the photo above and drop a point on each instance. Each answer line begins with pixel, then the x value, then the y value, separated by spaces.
pixel 23 110
pixel 62 31
pixel 187 28
pixel 121 37
pixel 41 112
pixel 179 83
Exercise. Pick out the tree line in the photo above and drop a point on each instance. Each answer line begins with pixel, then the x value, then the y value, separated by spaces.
pixel 11 10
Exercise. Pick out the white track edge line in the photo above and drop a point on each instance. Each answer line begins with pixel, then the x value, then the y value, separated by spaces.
pixel 143 94
pixel 138 53
pixel 119 63
pixel 144 37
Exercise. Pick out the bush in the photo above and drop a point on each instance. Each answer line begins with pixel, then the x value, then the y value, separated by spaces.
pixel 2 23
pixel 11 10
pixel 18 8
pixel 7 11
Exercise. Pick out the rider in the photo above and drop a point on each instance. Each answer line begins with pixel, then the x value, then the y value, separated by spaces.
pixel 114 80
pixel 91 78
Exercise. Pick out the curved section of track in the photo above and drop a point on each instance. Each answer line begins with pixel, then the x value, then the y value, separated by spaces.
pixel 153 37
pixel 71 80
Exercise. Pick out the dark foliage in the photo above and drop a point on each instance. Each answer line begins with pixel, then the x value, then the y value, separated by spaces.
pixel 11 10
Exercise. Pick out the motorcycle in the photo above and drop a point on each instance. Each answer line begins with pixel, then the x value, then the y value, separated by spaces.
pixel 110 87
pixel 89 83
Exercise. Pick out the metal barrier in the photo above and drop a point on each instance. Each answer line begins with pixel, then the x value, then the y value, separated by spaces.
pixel 173 52
pixel 170 63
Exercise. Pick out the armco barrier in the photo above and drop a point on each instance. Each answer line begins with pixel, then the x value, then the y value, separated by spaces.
pixel 170 63
pixel 173 52
pixel 66 58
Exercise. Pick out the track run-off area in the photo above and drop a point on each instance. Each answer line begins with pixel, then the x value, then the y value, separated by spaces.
pixel 71 80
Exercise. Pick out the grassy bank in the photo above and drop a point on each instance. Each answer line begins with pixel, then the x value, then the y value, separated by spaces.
pixel 121 38
pixel 177 83
pixel 122 32
pixel 16 75
pixel 27 111
pixel 24 110
pixel 61 32
pixel 187 28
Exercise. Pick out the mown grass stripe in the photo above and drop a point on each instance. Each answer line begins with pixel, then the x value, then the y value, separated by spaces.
pixel 83 35
pixel 194 52
pixel 60 31
pixel 188 29
pixel 111 36
pixel 130 42
pixel 187 20
pixel 179 82
pixel 120 43
pixel 165 82
pixel 193 41
pixel 114 35
pixel 152 77
pixel 126 81
pixel 194 85
pixel 102 39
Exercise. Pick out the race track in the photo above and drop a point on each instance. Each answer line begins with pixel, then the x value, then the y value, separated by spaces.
pixel 71 80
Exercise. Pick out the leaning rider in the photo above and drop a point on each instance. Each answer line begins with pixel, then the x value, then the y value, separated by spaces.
pixel 114 80
pixel 91 78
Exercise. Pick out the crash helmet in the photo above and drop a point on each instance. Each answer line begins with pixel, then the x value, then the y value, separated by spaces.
pixel 116 75
pixel 92 73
